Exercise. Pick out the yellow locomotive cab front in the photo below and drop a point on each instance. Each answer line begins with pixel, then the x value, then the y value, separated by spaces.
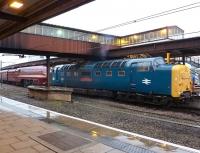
pixel 181 81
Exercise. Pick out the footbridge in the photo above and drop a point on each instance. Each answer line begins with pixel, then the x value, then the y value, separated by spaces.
pixel 45 39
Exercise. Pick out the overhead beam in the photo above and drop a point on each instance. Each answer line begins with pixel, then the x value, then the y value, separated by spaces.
pixel 48 70
pixel 56 8
pixel 50 53
pixel 11 17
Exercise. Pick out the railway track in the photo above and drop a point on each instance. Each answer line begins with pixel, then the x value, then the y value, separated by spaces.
pixel 118 107
pixel 189 110
pixel 141 100
pixel 147 115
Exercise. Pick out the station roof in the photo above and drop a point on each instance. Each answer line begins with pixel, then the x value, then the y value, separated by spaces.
pixel 15 15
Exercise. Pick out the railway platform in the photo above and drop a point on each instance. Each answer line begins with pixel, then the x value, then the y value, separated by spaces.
pixel 29 129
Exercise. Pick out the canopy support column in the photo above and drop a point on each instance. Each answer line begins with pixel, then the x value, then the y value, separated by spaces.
pixel 48 71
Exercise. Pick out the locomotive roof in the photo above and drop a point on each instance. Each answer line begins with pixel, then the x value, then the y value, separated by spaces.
pixel 143 60
pixel 124 62
pixel 127 62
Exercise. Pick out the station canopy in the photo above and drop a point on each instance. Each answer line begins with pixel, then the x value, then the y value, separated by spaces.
pixel 15 15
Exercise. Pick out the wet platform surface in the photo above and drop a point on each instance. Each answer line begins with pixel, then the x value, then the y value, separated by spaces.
pixel 29 129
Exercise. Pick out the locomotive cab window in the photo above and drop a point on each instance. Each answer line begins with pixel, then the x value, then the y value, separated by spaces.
pixel 121 73
pixel 143 67
pixel 108 73
pixel 158 62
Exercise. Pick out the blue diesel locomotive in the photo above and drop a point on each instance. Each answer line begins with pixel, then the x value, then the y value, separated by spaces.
pixel 147 76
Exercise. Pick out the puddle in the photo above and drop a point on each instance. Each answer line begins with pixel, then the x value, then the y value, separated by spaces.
pixel 110 136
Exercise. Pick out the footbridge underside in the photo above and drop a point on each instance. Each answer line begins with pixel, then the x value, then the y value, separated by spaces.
pixel 178 48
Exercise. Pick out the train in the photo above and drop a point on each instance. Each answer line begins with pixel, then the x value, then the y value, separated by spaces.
pixel 34 75
pixel 149 77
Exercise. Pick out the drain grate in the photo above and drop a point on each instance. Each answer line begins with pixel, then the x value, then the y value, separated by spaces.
pixel 123 146
pixel 63 140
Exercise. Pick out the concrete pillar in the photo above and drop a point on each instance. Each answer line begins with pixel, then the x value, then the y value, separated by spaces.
pixel 0 70
pixel 48 70
pixel 183 59
pixel 168 58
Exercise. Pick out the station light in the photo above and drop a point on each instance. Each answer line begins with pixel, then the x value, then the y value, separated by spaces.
pixel 122 41
pixel 59 32
pixel 135 37
pixel 164 31
pixel 119 42
pixel 94 37
pixel 16 4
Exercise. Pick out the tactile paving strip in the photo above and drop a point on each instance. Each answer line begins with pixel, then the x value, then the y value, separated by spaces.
pixel 63 140
pixel 123 146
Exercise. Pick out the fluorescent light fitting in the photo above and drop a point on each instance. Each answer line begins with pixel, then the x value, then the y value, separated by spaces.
pixel 16 4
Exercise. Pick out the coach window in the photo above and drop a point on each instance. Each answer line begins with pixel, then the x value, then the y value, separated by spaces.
pixel 121 73
pixel 108 73
pixel 143 67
